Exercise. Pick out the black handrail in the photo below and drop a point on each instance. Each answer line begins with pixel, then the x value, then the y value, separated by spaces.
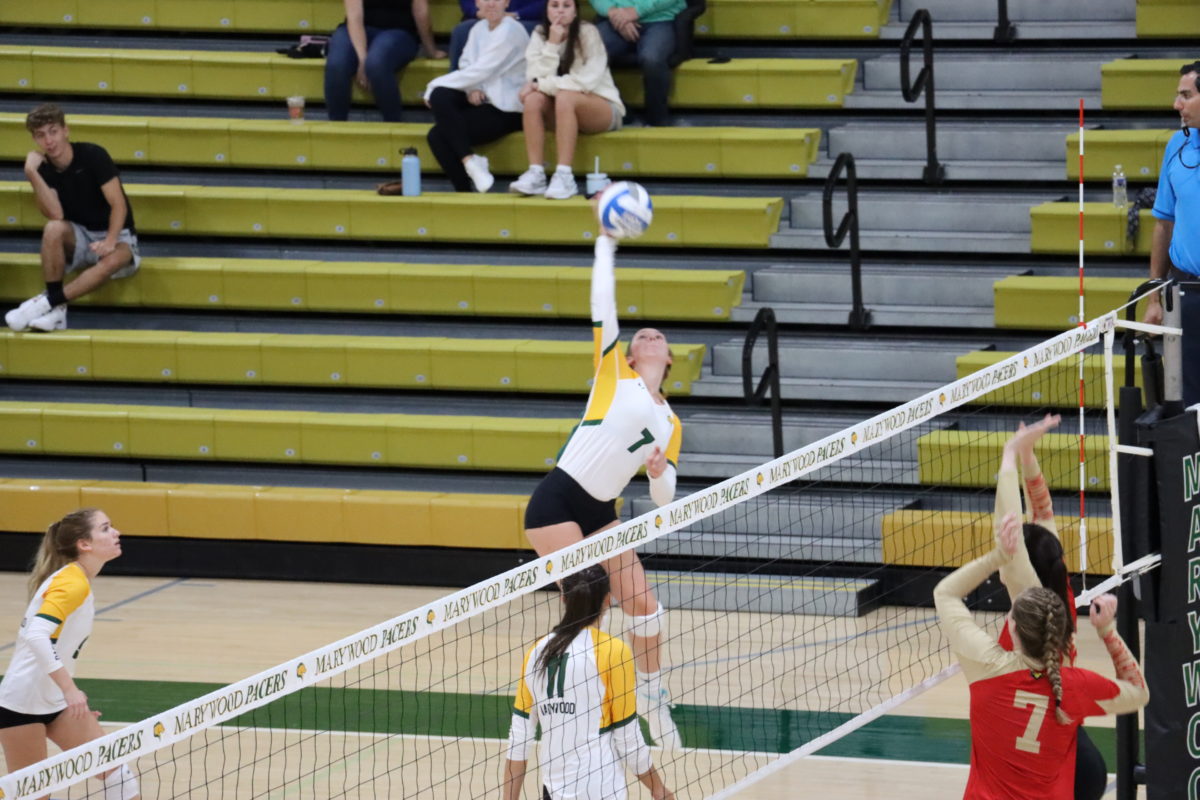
pixel 765 320
pixel 860 318
pixel 1005 32
pixel 911 90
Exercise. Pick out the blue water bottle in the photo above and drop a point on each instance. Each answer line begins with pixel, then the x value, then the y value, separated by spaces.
pixel 410 173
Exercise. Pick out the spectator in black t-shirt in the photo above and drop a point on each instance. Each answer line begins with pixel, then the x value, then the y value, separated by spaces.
pixel 77 187
pixel 378 38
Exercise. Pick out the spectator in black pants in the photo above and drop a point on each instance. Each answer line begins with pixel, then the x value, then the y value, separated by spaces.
pixel 478 103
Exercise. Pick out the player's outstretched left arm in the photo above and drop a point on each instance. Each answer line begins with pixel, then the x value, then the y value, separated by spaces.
pixel 974 646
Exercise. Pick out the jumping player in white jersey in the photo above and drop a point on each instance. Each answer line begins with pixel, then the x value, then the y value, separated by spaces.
pixel 578 683
pixel 627 425
pixel 38 695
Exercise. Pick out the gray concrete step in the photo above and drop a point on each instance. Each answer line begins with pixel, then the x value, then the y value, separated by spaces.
pixel 1018 10
pixel 1026 31
pixel 912 360
pixel 838 314
pixel 988 72
pixel 990 141
pixel 764 594
pixel 890 284
pixel 909 241
pixel 824 389
pixel 974 99
pixel 935 210
pixel 878 169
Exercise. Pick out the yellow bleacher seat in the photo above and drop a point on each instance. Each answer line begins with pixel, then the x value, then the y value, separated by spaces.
pixel 258 435
pixel 1139 83
pixel 126 139
pixel 1055 387
pixel 264 143
pixel 933 538
pixel 247 75
pixel 401 362
pixel 749 82
pixel 157 73
pixel 480 520
pixel 61 357
pixel 216 358
pixel 389 518
pixel 972 458
pixel 415 440
pixel 201 511
pixel 1139 152
pixel 167 432
pixel 117 13
pixel 342 439
pixel 362 145
pixel 21 428
pixel 33 505
pixel 1055 229
pixel 16 66
pixel 68 69
pixel 513 443
pixel 296 514
pixel 137 509
pixel 1047 302
pixel 1172 19
pixel 448 289
pixel 306 359
pixel 80 430
pixel 196 15
pixel 554 366
pixel 299 514
pixel 133 355
pixel 483 364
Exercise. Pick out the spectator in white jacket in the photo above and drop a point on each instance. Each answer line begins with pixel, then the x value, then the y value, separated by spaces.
pixel 569 91
pixel 480 101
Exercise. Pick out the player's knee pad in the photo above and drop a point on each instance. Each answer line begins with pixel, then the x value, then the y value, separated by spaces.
pixel 121 784
pixel 650 625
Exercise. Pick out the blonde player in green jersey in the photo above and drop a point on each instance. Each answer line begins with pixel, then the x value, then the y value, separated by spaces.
pixel 38 696
pixel 578 684
pixel 626 426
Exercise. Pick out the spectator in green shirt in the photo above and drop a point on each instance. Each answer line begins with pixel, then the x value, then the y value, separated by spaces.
pixel 642 33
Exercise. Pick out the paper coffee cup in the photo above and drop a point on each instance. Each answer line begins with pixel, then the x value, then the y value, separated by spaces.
pixel 296 108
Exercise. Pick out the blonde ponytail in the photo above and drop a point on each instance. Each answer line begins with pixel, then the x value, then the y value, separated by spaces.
pixel 1042 627
pixel 60 545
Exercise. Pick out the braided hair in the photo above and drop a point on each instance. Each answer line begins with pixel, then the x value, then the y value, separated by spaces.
pixel 1042 627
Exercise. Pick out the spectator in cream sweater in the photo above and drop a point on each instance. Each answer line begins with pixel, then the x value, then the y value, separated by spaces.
pixel 569 91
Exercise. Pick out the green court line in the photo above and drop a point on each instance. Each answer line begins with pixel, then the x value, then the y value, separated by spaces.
pixel 931 739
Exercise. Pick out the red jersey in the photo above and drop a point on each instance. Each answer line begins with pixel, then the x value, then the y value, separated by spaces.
pixel 1019 751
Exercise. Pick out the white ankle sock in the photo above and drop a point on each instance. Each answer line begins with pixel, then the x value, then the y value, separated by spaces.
pixel 652 681
pixel 564 169
pixel 537 168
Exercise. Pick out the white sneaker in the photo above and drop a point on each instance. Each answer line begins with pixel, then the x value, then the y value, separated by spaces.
pixel 657 712
pixel 532 182
pixel 55 320
pixel 562 186
pixel 477 171
pixel 19 318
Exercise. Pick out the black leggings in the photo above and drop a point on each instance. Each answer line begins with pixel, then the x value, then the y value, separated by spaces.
pixel 458 126
pixel 1091 773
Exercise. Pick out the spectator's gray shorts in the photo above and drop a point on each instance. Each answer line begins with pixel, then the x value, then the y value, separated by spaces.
pixel 84 257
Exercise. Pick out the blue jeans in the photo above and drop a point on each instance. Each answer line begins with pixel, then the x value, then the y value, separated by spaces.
pixel 651 53
pixel 460 32
pixel 388 51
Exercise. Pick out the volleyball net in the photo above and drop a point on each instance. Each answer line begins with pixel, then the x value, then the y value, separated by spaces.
pixel 799 611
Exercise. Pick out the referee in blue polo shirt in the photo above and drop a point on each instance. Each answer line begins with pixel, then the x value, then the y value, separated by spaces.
pixel 1175 249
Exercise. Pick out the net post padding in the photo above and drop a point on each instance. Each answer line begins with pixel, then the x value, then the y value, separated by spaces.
pixel 179 723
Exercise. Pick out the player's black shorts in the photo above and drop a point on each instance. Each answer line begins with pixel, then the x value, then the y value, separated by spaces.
pixel 558 498
pixel 11 719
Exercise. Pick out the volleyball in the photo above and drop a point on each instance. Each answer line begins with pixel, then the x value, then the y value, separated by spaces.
pixel 625 210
